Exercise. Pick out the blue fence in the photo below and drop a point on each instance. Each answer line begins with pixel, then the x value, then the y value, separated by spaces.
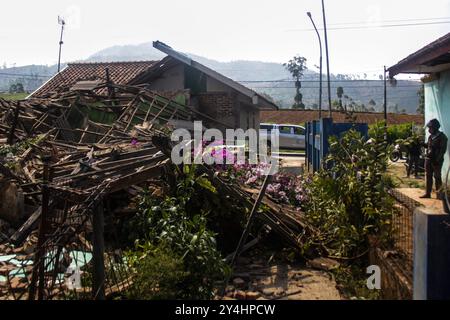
pixel 317 139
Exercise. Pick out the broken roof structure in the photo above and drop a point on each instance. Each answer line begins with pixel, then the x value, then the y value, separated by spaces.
pixel 62 158
pixel 77 75
pixel 120 73
pixel 256 98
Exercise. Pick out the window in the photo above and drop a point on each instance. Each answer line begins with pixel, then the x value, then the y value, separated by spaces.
pixel 299 131
pixel 267 127
pixel 285 129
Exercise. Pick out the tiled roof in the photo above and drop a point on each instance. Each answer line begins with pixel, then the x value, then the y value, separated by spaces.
pixel 302 116
pixel 119 72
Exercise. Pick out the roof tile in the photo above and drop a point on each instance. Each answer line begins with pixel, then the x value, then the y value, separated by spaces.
pixel 120 73
pixel 302 116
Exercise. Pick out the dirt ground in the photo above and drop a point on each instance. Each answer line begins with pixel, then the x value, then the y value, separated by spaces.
pixel 398 171
pixel 257 277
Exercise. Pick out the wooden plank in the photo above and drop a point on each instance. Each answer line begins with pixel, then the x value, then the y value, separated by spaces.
pixel 26 228
pixel 137 177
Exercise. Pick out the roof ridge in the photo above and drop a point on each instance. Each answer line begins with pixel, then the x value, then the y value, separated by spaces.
pixel 111 62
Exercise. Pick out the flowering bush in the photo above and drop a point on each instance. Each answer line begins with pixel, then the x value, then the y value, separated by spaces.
pixel 284 188
pixel 289 189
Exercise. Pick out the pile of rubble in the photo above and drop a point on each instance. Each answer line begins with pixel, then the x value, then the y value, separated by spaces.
pixel 71 165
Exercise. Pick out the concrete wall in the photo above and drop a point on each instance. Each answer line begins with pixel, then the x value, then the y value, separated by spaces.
pixel 212 85
pixel 437 105
pixel 431 255
pixel 248 117
pixel 171 80
pixel 219 102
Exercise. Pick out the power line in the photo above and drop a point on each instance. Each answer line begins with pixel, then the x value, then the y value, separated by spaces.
pixel 25 75
pixel 394 20
pixel 379 26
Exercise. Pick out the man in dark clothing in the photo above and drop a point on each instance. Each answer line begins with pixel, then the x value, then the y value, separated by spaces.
pixel 414 152
pixel 436 148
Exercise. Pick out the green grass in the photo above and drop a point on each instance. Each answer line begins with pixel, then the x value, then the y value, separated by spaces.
pixel 13 96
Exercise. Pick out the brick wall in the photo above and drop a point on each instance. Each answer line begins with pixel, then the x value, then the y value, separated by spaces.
pixel 218 105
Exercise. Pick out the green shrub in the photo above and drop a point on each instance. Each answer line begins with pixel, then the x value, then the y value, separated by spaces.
pixel 159 273
pixel 394 132
pixel 349 200
pixel 190 246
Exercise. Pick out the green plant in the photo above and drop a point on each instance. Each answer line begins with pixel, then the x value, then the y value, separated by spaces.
pixel 175 224
pixel 352 283
pixel 159 272
pixel 349 199
pixel 394 132
pixel 19 147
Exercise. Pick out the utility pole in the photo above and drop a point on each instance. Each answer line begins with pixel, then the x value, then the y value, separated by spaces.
pixel 328 58
pixel 320 65
pixel 62 23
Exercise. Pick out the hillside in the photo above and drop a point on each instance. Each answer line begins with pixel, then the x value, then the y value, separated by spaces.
pixel 279 85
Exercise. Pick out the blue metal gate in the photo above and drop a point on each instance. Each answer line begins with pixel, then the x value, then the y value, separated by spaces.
pixel 318 133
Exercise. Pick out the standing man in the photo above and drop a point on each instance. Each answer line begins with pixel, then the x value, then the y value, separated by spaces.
pixel 414 145
pixel 436 148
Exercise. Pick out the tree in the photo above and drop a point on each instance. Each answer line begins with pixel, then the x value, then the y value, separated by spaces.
pixel 296 66
pixel 372 103
pixel 334 104
pixel 12 88
pixel 16 88
pixel 19 88
pixel 421 94
pixel 340 93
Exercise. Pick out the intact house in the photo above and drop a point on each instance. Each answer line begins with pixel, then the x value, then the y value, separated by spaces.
pixel 434 61
pixel 176 76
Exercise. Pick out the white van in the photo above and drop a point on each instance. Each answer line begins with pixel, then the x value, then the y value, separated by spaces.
pixel 291 136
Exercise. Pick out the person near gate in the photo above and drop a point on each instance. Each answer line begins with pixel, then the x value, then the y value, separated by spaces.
pixel 434 160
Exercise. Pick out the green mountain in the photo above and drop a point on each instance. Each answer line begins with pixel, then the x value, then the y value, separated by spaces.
pixel 370 93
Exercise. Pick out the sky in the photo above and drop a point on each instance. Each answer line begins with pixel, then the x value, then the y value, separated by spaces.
pixel 263 30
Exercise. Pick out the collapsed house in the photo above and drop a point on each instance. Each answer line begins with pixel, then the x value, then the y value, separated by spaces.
pixel 73 160
pixel 177 77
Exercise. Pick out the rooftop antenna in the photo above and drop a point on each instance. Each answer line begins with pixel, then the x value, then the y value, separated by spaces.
pixel 62 22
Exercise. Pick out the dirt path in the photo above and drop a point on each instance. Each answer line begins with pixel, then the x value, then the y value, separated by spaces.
pixel 255 280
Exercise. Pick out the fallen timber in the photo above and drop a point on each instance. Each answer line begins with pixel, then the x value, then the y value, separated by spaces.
pixel 100 154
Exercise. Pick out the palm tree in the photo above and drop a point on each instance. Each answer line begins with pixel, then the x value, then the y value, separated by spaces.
pixel 340 93
pixel 296 66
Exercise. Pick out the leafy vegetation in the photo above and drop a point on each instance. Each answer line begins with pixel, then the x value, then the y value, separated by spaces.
pixel 20 147
pixel 394 132
pixel 349 201
pixel 173 235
